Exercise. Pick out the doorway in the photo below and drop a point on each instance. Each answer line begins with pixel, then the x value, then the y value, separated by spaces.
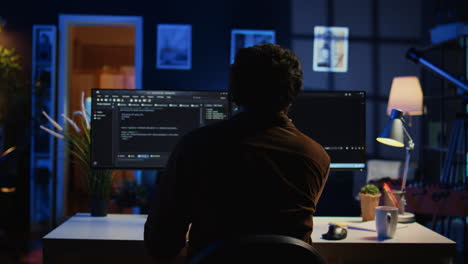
pixel 95 52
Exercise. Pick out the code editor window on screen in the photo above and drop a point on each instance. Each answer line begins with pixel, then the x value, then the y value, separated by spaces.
pixel 139 128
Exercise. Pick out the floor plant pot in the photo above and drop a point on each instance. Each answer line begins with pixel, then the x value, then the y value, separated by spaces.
pixel 98 206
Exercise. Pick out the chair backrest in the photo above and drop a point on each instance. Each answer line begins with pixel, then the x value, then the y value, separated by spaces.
pixel 259 249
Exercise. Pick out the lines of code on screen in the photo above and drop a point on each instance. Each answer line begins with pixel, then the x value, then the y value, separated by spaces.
pixel 139 128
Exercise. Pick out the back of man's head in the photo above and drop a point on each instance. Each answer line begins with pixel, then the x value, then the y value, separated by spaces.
pixel 265 78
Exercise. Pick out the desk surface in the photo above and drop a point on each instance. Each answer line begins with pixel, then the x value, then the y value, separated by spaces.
pixel 406 233
pixel 130 227
pixel 119 233
pixel 111 227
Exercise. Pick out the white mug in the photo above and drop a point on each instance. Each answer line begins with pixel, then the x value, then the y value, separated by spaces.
pixel 386 219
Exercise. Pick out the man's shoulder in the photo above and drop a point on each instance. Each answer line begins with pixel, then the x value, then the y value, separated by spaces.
pixel 210 133
pixel 311 148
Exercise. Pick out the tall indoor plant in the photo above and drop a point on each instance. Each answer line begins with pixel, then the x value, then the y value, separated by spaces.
pixel 10 84
pixel 78 141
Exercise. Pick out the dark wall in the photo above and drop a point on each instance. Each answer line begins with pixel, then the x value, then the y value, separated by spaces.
pixel 380 34
pixel 211 23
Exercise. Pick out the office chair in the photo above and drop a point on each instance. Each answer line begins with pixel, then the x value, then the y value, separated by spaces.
pixel 259 249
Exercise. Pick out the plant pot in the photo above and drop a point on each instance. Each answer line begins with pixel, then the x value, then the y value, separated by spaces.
pixel 98 206
pixel 368 204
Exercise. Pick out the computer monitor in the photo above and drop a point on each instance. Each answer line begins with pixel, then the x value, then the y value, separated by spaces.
pixel 337 120
pixel 138 129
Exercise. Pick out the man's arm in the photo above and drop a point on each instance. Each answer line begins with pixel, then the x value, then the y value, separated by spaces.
pixel 169 216
pixel 320 184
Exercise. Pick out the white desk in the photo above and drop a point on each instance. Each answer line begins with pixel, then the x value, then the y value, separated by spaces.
pixel 413 243
pixel 119 239
pixel 84 239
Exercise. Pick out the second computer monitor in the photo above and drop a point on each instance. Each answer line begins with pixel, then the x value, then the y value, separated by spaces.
pixel 138 129
pixel 336 120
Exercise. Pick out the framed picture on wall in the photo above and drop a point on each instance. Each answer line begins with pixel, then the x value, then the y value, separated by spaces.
pixel 243 38
pixel 44 42
pixel 174 47
pixel 330 49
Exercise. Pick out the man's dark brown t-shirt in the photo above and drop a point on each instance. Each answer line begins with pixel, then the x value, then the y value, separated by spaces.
pixel 249 174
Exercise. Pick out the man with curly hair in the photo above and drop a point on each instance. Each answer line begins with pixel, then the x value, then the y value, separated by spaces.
pixel 255 173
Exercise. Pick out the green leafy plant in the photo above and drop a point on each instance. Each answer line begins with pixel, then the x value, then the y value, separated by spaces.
pixel 10 79
pixel 9 62
pixel 78 142
pixel 370 189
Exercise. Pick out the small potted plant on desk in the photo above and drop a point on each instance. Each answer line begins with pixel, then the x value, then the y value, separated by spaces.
pixel 130 197
pixel 369 196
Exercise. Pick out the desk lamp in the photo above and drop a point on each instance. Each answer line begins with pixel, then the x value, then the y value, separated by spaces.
pixel 394 134
pixel 406 98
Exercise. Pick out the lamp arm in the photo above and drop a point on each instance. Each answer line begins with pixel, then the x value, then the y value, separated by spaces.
pixel 409 148
pixel 415 56
pixel 410 143
pixel 406 169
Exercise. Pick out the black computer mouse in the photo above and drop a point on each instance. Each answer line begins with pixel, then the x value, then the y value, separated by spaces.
pixel 335 232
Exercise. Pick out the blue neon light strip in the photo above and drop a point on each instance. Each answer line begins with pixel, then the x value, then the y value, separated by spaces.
pixel 347 165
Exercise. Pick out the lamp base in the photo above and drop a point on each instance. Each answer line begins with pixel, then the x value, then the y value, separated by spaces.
pixel 406 217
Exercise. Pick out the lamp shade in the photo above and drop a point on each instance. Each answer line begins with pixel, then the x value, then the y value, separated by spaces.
pixel 393 134
pixel 406 95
